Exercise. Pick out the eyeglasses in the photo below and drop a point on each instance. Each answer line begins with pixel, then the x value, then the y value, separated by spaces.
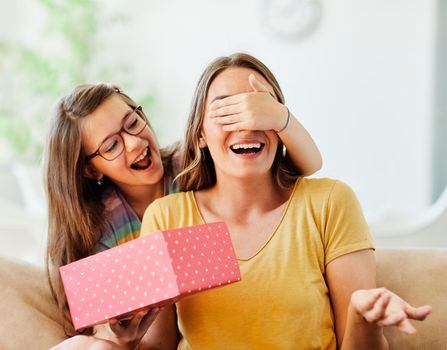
pixel 113 146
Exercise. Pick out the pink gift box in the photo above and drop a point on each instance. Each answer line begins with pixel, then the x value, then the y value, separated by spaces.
pixel 149 271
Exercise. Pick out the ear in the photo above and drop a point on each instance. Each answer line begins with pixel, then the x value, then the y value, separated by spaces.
pixel 202 141
pixel 90 172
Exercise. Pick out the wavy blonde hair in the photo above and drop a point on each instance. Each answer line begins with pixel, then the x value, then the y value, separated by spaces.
pixel 198 167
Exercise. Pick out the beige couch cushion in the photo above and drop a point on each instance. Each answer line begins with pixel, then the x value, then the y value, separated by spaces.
pixel 30 319
pixel 420 277
pixel 29 316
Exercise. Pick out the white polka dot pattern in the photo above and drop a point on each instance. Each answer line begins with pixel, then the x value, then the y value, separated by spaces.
pixel 149 270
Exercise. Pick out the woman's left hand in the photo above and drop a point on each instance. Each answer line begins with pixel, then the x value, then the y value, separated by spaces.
pixel 257 110
pixel 384 308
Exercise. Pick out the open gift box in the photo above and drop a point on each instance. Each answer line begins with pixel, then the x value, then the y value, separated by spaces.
pixel 149 271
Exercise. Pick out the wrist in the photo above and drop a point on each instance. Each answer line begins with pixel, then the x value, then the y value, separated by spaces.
pixel 356 319
pixel 361 334
pixel 355 316
pixel 125 343
pixel 106 333
pixel 286 123
pixel 131 346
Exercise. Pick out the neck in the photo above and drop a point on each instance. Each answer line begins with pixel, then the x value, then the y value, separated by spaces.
pixel 139 197
pixel 238 198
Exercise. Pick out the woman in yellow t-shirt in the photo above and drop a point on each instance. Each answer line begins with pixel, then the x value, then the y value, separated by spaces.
pixel 305 253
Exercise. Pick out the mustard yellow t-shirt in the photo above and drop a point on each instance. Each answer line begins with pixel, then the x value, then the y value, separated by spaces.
pixel 282 301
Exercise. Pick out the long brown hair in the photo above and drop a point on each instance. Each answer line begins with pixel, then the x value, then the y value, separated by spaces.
pixel 198 167
pixel 75 209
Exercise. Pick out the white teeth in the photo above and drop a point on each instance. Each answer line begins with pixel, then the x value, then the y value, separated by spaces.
pixel 141 157
pixel 246 145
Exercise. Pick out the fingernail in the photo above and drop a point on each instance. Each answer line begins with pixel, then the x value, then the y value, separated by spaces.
pixel 411 331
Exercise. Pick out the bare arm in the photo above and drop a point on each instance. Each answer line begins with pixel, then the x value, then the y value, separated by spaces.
pixel 84 342
pixel 360 309
pixel 300 145
pixel 156 330
pixel 344 276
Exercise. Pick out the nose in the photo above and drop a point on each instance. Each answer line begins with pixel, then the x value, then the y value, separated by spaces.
pixel 130 141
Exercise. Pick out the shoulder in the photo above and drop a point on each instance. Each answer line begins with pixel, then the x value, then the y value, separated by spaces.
pixel 174 210
pixel 171 203
pixel 116 208
pixel 110 198
pixel 120 222
pixel 323 189
pixel 173 199
pixel 324 196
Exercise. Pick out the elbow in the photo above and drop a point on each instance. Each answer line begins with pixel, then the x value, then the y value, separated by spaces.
pixel 316 166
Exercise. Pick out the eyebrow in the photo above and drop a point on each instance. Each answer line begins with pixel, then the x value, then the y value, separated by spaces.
pixel 129 112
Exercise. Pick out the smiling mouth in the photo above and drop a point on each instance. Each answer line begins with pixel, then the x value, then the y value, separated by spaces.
pixel 247 148
pixel 144 161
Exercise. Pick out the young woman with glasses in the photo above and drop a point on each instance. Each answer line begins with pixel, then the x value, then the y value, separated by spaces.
pixel 104 167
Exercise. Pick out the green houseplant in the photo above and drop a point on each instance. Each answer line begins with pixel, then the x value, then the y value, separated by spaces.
pixel 33 77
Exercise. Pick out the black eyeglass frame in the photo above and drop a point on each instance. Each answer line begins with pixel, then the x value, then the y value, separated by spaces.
pixel 139 111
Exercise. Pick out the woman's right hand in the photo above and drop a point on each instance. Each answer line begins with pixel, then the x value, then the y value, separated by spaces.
pixel 128 332
pixel 255 110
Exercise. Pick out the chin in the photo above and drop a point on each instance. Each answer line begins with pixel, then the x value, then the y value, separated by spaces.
pixel 155 175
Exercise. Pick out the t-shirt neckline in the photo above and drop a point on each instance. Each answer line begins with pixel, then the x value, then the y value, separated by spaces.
pixel 270 237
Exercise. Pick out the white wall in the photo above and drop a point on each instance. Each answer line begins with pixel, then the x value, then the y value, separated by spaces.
pixel 362 83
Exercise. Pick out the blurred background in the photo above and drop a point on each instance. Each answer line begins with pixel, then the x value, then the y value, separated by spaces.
pixel 368 79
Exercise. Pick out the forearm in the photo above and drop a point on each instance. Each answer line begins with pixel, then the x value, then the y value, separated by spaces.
pixel 101 332
pixel 301 147
pixel 85 342
pixel 362 335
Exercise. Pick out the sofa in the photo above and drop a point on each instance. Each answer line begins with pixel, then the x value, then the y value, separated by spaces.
pixel 30 319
